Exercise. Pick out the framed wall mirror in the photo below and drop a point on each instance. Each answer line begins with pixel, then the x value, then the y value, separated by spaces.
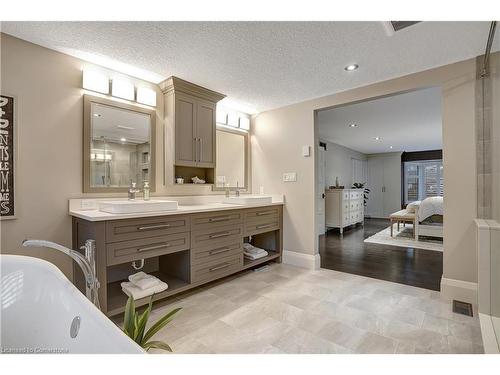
pixel 231 159
pixel 118 145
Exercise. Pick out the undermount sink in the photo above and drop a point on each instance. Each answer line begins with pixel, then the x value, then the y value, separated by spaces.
pixel 136 206
pixel 249 199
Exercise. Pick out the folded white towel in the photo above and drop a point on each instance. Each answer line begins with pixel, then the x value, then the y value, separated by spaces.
pixel 252 249
pixel 143 280
pixel 255 256
pixel 136 293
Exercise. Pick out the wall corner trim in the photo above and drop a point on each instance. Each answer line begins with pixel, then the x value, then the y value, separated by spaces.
pixel 308 261
pixel 459 290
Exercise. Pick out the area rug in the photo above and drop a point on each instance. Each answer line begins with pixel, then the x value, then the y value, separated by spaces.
pixel 404 238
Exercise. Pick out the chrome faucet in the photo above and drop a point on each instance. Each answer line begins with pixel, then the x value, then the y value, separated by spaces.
pixel 132 191
pixel 237 191
pixel 87 264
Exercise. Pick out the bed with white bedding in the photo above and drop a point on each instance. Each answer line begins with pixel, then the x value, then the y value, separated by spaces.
pixel 429 215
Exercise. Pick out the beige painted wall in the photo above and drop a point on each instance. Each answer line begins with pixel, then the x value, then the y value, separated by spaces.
pixel 279 134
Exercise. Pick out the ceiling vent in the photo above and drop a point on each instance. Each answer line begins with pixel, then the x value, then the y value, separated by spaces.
pixel 393 27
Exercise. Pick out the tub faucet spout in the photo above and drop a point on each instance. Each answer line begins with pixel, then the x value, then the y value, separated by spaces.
pixel 86 263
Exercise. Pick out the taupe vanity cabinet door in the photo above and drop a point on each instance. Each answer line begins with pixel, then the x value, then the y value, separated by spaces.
pixel 185 130
pixel 205 130
pixel 194 132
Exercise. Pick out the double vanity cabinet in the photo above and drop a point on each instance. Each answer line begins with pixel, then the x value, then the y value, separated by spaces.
pixel 183 249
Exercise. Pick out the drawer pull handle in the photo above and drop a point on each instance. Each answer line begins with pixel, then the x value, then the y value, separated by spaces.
pixel 153 247
pixel 217 219
pixel 218 235
pixel 219 267
pixel 219 250
pixel 265 226
pixel 262 213
pixel 152 227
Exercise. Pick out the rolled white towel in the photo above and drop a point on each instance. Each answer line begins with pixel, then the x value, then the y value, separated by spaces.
pixel 137 293
pixel 143 280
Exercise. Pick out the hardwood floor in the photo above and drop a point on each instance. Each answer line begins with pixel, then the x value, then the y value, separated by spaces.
pixel 416 267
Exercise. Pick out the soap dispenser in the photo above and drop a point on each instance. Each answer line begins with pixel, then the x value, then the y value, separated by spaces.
pixel 146 190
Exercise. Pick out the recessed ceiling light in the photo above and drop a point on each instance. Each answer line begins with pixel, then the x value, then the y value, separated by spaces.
pixel 353 125
pixel 351 67
pixel 377 138
pixel 391 147
pixel 123 139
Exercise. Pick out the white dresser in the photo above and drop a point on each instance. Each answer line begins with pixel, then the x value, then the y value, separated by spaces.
pixel 344 207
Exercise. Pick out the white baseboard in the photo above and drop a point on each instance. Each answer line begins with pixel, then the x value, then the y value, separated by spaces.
pixel 459 290
pixel 490 342
pixel 309 261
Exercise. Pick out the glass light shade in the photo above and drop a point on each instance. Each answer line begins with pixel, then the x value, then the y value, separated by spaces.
pixel 123 89
pixel 95 81
pixel 233 120
pixel 244 123
pixel 221 116
pixel 146 96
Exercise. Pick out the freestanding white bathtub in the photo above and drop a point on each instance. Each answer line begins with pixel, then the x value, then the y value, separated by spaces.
pixel 43 312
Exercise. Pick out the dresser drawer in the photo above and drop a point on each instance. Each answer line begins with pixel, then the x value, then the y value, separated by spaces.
pixel 128 251
pixel 215 235
pixel 216 269
pixel 356 195
pixel 123 230
pixel 216 252
pixel 213 219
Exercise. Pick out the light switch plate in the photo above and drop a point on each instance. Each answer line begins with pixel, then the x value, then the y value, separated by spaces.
pixel 290 177
pixel 306 151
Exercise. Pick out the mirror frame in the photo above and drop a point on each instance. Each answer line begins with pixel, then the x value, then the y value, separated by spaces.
pixel 87 133
pixel 246 135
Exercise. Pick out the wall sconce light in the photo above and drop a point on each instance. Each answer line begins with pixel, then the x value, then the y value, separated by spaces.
pixel 146 96
pixel 95 81
pixel 123 89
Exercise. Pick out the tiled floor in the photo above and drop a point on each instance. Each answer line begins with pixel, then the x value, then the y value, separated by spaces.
pixel 290 310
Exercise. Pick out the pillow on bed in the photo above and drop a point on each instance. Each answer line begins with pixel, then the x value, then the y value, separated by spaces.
pixel 412 207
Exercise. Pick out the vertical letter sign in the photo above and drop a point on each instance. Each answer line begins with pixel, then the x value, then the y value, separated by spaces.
pixel 7 157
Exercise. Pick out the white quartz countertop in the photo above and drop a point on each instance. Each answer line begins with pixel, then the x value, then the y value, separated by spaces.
pixel 187 205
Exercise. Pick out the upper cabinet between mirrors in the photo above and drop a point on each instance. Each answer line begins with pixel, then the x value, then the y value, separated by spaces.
pixel 190 131
pixel 119 146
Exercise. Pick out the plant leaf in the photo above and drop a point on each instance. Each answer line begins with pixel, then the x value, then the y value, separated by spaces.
pixel 142 321
pixel 157 345
pixel 129 317
pixel 160 324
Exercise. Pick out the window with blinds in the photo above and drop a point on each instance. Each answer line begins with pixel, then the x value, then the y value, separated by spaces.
pixel 422 179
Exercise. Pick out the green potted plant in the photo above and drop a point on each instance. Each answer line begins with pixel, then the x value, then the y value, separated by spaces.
pixel 366 191
pixel 134 326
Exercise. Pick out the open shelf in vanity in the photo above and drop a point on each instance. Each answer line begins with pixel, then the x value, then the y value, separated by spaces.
pixel 183 250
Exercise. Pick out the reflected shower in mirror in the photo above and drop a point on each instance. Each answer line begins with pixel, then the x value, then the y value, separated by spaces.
pixel 120 147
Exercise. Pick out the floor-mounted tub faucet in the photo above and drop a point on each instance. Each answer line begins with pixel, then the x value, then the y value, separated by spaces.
pixel 86 263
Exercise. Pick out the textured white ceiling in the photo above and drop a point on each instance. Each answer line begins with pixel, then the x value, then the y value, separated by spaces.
pixel 408 122
pixel 261 65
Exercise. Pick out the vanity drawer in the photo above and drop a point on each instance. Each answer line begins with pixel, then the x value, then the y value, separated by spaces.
pixel 213 219
pixel 213 236
pixel 261 226
pixel 128 251
pixel 216 269
pixel 355 195
pixel 217 252
pixel 261 215
pixel 123 230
